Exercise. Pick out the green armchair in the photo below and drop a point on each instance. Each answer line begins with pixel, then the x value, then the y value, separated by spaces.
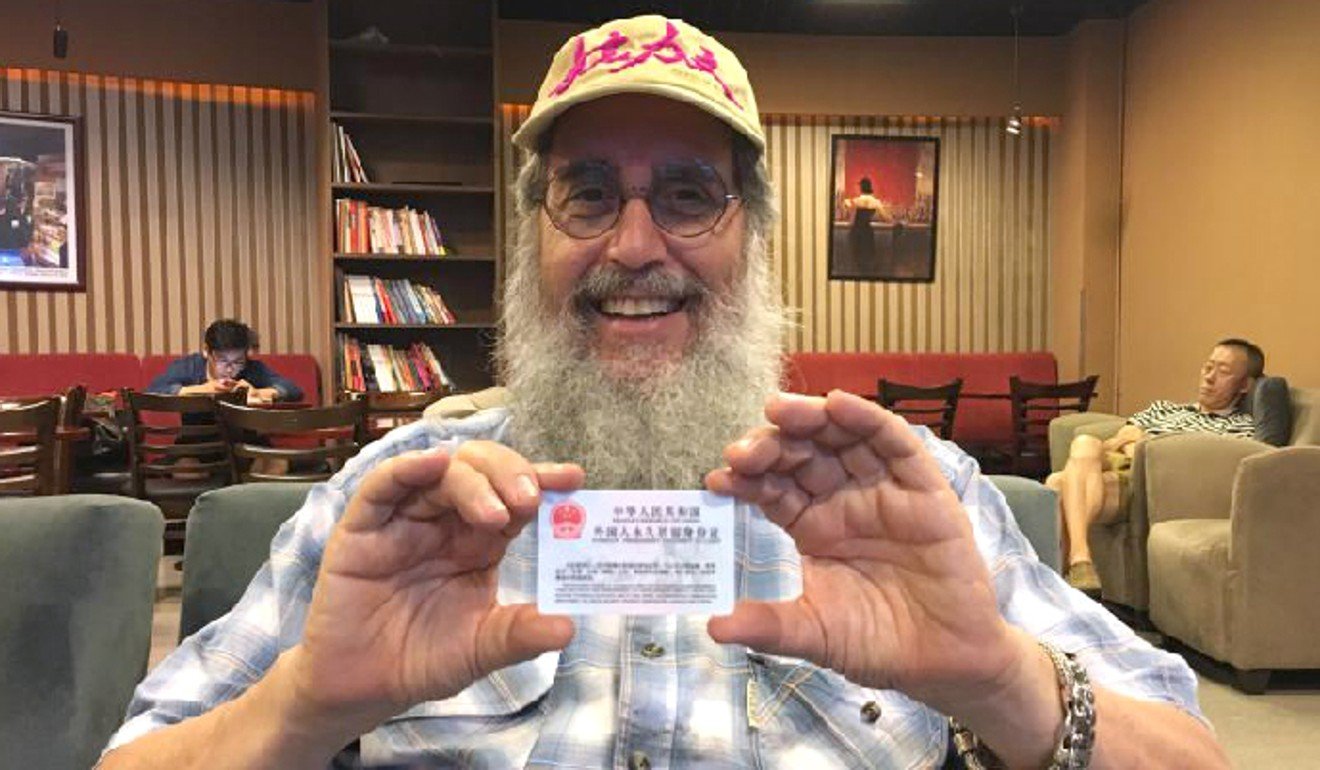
pixel 1035 508
pixel 229 534
pixel 230 529
pixel 77 588
pixel 1231 552
pixel 1118 548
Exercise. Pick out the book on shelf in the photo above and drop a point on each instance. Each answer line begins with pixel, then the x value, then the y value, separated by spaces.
pixel 346 164
pixel 366 299
pixel 385 368
pixel 361 228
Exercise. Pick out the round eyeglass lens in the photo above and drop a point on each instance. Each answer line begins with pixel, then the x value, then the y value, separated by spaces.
pixel 686 198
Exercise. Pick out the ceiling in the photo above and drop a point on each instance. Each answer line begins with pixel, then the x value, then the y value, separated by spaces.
pixel 838 17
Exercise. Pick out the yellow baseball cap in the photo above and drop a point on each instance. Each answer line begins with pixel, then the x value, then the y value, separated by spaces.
pixel 646 55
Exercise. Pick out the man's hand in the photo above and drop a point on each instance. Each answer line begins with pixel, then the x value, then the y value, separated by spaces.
pixel 261 395
pixel 1125 440
pixel 404 607
pixel 895 593
pixel 208 388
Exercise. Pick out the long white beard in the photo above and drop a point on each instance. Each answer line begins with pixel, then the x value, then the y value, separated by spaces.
pixel 660 431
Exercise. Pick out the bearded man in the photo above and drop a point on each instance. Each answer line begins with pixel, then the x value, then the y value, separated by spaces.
pixel 882 585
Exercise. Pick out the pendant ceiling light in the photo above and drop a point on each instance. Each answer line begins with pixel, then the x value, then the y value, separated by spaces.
pixel 1014 125
pixel 61 41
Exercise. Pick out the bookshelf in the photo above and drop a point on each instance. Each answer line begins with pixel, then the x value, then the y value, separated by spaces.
pixel 412 85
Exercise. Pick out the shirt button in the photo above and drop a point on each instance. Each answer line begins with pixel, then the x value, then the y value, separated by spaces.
pixel 652 650
pixel 639 761
pixel 870 712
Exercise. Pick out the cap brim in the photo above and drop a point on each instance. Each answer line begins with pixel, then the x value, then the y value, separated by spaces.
pixel 529 132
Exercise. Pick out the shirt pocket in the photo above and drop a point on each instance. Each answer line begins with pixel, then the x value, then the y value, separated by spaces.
pixel 493 723
pixel 800 715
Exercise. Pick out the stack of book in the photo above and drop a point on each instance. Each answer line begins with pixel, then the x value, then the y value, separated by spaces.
pixel 361 228
pixel 389 369
pixel 347 165
pixel 370 300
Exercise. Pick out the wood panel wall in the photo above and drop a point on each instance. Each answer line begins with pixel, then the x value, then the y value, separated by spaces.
pixel 991 289
pixel 200 204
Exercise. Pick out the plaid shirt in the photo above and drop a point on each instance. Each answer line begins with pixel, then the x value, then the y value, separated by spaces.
pixel 601 702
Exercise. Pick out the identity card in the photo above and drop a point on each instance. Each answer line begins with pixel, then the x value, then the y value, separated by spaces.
pixel 635 552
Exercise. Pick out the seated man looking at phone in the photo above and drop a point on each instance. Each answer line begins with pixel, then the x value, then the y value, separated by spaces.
pixel 224 365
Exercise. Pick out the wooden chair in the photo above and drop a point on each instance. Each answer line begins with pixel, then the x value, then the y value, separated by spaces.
pixel 1034 405
pixel 71 401
pixel 27 448
pixel 177 451
pixel 386 411
pixel 293 444
pixel 935 407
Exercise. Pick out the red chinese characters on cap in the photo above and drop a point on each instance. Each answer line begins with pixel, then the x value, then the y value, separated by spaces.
pixel 567 520
pixel 618 52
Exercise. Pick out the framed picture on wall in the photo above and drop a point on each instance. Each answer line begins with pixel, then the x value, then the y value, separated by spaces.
pixel 885 195
pixel 41 202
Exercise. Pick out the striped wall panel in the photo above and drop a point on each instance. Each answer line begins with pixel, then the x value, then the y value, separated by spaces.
pixel 992 257
pixel 200 204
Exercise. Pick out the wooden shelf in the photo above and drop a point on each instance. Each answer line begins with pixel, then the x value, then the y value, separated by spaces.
pixel 376 258
pixel 362 48
pixel 409 119
pixel 355 327
pixel 421 111
pixel 410 188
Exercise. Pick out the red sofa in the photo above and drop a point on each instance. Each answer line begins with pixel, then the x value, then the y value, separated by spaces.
pixel 979 422
pixel 32 374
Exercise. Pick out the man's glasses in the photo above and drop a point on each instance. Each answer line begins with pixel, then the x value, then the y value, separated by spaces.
pixel 686 198
pixel 228 364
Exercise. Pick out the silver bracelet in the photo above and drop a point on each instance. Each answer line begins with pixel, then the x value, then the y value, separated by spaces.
pixel 1076 739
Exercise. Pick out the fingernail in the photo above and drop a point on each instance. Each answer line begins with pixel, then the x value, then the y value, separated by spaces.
pixel 495 506
pixel 527 487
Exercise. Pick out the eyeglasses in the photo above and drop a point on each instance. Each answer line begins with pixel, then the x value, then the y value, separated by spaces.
pixel 686 198
pixel 228 363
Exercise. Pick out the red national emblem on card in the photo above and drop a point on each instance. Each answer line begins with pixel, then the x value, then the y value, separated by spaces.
pixel 567 520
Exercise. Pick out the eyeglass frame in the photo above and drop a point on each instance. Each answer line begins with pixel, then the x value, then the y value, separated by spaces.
pixel 644 194
pixel 214 360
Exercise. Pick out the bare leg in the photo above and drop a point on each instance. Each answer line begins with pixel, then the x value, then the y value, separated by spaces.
pixel 1055 482
pixel 1082 494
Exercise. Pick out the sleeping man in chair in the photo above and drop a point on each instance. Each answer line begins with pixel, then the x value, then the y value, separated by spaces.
pixel 1093 486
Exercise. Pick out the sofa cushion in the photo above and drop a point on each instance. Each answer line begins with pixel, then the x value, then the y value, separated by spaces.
pixel 41 373
pixel 1270 405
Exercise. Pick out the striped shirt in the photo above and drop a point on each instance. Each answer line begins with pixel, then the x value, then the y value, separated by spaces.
pixel 1168 417
pixel 601 703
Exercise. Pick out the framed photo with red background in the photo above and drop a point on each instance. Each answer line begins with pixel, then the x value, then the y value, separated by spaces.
pixel 885 195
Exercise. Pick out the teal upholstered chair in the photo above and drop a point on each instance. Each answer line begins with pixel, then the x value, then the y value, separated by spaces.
pixel 1036 511
pixel 230 529
pixel 77 586
pixel 229 534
